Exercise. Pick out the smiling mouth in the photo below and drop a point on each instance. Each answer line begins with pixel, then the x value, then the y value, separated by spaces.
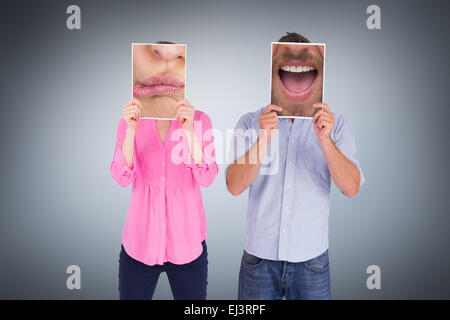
pixel 297 79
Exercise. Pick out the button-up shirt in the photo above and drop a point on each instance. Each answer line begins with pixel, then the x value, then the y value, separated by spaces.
pixel 289 201
pixel 166 220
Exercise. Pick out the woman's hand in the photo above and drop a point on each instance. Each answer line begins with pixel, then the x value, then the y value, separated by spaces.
pixel 132 112
pixel 185 114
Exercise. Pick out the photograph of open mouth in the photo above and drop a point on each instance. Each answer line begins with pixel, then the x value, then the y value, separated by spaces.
pixel 297 74
pixel 158 78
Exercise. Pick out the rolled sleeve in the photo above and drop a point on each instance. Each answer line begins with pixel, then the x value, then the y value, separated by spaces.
pixel 345 141
pixel 206 171
pixel 120 171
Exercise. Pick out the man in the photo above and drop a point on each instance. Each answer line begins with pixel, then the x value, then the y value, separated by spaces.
pixel 286 252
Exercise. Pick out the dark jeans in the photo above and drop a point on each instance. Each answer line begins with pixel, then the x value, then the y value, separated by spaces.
pixel 273 280
pixel 137 281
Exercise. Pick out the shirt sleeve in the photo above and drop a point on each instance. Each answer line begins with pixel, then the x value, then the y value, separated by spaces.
pixel 120 171
pixel 206 171
pixel 345 141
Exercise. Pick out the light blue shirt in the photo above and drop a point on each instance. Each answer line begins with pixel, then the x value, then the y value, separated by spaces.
pixel 289 202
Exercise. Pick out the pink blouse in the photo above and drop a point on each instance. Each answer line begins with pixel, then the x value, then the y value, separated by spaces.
pixel 166 220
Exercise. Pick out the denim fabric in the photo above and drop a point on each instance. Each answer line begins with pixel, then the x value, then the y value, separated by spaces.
pixel 262 279
pixel 137 281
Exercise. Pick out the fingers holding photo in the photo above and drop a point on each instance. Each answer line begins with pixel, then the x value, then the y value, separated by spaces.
pixel 322 106
pixel 323 121
pixel 272 108
pixel 185 113
pixel 134 101
pixel 132 112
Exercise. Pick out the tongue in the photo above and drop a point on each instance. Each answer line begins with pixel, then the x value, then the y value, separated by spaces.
pixel 297 81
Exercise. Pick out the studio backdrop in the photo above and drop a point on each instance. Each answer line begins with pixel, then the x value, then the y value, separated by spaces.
pixel 62 94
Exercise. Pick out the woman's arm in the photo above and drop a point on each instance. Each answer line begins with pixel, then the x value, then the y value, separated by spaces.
pixel 131 114
pixel 128 145
pixel 185 115
pixel 123 168
pixel 204 167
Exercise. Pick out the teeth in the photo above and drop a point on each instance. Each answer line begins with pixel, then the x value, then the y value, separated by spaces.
pixel 297 69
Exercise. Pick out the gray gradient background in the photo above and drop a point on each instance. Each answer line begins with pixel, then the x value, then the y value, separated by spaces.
pixel 61 98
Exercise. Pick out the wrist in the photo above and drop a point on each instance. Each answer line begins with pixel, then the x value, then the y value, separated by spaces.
pixel 131 129
pixel 262 144
pixel 189 128
pixel 326 142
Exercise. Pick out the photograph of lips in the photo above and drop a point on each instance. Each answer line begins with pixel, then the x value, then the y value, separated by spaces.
pixel 158 78
pixel 297 75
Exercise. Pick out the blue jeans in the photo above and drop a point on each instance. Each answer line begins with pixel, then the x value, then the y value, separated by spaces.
pixel 261 279
pixel 137 281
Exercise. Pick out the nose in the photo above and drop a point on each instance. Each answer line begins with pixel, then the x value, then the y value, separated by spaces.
pixel 169 52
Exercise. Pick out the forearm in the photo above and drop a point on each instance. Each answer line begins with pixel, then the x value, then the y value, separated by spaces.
pixel 128 145
pixel 345 174
pixel 195 146
pixel 242 173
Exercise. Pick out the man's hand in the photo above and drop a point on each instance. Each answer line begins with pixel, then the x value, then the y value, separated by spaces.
pixel 268 122
pixel 323 121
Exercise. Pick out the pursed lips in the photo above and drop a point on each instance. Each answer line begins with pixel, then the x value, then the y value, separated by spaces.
pixel 165 84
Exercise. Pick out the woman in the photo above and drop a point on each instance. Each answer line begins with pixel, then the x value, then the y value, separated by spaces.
pixel 165 229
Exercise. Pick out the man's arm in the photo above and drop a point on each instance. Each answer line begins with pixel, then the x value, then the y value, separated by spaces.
pixel 241 174
pixel 345 174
